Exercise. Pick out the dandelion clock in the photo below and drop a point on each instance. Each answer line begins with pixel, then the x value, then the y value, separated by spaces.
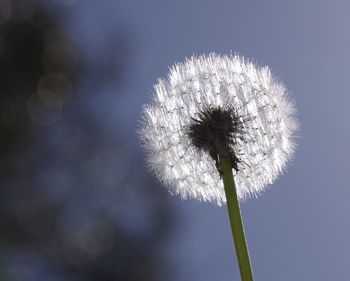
pixel 219 129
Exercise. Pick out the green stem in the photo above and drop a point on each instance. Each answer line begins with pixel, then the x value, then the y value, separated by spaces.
pixel 236 220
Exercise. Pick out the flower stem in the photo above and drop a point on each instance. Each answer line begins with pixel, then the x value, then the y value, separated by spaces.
pixel 236 220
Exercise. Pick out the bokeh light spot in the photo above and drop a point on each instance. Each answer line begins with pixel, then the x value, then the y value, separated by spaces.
pixel 44 111
pixel 58 86
pixel 96 238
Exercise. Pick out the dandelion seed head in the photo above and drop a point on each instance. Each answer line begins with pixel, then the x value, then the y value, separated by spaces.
pixel 215 104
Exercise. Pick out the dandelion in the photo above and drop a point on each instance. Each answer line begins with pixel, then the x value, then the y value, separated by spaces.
pixel 219 117
pixel 253 105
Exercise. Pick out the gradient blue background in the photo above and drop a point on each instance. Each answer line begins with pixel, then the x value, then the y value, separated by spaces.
pixel 299 229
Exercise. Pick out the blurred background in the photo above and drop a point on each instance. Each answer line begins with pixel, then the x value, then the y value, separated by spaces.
pixel 76 201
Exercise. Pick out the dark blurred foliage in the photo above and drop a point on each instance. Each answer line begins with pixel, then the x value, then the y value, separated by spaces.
pixel 74 206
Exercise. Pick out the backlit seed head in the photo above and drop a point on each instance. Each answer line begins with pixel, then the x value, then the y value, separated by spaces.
pixel 211 105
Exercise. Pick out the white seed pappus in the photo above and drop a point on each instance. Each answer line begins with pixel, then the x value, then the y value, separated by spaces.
pixel 214 81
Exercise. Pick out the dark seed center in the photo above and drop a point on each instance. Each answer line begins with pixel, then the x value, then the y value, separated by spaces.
pixel 215 131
